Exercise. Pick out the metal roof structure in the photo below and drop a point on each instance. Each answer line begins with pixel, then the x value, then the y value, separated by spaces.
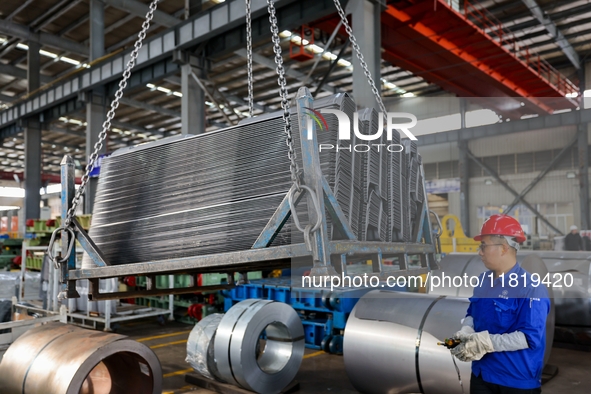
pixel 556 30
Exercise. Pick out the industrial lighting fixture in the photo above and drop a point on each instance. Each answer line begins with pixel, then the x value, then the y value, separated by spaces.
pixel 571 175
pixel 488 182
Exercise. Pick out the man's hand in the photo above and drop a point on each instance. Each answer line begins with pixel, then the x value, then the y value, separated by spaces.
pixel 473 347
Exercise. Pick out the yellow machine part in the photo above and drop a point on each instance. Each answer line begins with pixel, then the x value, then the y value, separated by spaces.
pixel 456 234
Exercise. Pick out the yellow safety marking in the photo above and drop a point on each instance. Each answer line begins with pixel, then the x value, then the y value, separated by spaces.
pixel 182 389
pixel 314 354
pixel 184 371
pixel 172 334
pixel 168 344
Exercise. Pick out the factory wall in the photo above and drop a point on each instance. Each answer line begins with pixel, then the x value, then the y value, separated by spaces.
pixel 518 158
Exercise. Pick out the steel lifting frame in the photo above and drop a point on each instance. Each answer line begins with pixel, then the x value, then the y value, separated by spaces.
pixel 324 253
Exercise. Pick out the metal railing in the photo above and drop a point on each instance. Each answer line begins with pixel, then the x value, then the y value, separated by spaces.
pixel 493 28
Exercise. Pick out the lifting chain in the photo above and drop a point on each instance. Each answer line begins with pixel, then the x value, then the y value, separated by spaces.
pixel 355 46
pixel 67 223
pixel 293 165
pixel 249 59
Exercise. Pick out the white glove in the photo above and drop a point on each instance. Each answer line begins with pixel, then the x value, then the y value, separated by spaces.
pixel 464 332
pixel 473 347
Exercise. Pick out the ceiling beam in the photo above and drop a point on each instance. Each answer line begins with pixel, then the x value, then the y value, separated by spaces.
pixel 554 32
pixel 46 39
pixel 6 98
pixel 19 73
pixel 139 9
pixel 150 107
pixel 263 61
pixel 19 9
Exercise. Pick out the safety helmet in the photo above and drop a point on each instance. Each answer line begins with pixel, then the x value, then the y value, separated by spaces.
pixel 573 227
pixel 503 225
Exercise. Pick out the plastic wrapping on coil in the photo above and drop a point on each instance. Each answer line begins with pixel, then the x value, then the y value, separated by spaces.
pixel 200 349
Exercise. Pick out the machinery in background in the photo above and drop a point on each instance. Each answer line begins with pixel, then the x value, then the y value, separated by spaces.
pixel 452 237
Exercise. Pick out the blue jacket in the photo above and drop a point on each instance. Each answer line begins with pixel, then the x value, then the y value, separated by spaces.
pixel 501 306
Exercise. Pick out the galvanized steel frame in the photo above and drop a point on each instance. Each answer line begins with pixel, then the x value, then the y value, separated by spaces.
pixel 260 256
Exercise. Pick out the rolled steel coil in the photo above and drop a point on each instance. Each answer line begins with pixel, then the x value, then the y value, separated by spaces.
pixel 265 366
pixel 573 303
pixel 63 359
pixel 390 344
pixel 200 349
pixel 460 264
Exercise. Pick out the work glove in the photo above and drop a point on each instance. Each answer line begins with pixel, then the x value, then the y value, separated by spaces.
pixel 473 347
pixel 464 332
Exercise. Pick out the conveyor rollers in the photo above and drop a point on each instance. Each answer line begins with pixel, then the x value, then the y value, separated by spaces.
pixel 215 192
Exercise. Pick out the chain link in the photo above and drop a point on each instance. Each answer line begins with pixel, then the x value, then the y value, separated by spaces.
pixel 249 59
pixel 293 165
pixel 355 46
pixel 111 114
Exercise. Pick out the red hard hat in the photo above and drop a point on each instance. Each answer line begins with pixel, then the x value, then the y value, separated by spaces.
pixel 502 225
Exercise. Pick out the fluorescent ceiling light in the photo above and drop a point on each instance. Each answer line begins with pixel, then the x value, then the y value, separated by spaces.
pixel 14 192
pixel 68 60
pixel 8 207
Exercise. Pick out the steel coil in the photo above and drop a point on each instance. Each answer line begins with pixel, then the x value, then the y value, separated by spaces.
pixel 63 359
pixel 200 349
pixel 390 344
pixel 244 360
pixel 461 264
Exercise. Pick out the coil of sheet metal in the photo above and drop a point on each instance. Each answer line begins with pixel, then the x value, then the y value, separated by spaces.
pixel 460 264
pixel 244 360
pixel 215 192
pixel 390 344
pixel 63 359
pixel 200 349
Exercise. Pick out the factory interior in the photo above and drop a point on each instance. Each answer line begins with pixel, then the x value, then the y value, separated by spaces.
pixel 281 196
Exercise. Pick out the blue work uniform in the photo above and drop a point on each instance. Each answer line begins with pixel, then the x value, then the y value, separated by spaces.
pixel 501 307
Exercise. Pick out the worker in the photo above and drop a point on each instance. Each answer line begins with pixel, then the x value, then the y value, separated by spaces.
pixel 504 331
pixel 573 240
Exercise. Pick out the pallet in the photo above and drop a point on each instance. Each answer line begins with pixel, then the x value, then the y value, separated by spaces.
pixel 225 388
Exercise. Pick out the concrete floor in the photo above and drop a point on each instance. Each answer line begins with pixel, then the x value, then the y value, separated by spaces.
pixel 321 372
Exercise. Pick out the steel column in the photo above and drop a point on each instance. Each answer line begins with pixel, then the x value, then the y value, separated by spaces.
pixel 583 145
pixel 464 163
pixel 95 104
pixel 32 141
pixel 192 103
pixel 367 31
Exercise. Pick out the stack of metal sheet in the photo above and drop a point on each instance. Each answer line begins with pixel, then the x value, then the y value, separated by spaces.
pixel 375 185
pixel 215 192
pixel 395 192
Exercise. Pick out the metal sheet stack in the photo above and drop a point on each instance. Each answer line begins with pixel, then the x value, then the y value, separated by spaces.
pixel 395 206
pixel 375 180
pixel 215 192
